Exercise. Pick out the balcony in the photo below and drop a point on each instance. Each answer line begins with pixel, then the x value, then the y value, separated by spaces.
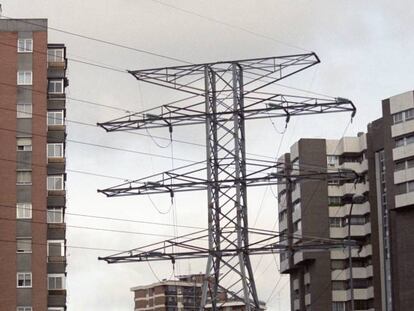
pixel 358 167
pixel 402 128
pixel 56 298
pixel 56 259
pixel 348 188
pixel 357 272
pixel 403 152
pixel 405 199
pixel 343 253
pixel 307 299
pixel 342 211
pixel 356 230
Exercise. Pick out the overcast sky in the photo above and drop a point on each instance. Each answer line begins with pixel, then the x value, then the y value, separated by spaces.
pixel 365 49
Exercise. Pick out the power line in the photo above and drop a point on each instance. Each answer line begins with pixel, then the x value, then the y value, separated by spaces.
pixel 129 132
pixel 110 218
pixel 73 59
pixel 229 25
pixel 102 146
pixel 119 45
pixel 67 246
pixel 90 228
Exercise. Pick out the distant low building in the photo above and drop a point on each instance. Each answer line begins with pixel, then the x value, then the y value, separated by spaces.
pixel 181 294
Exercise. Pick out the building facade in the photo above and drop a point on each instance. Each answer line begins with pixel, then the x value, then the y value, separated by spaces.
pixel 32 168
pixel 383 224
pixel 391 166
pixel 181 294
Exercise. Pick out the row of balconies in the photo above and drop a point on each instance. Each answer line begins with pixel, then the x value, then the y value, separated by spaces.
pixel 356 230
pixel 348 188
pixel 343 210
pixel 359 294
pixel 366 251
pixel 357 272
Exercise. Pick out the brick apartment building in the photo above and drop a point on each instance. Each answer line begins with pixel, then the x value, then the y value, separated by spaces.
pixel 384 224
pixel 32 168
pixel 181 294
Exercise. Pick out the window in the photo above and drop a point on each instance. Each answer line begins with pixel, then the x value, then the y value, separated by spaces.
pixel 399 142
pixel 54 150
pixel 297 226
pixel 339 285
pixel 338 306
pixel 55 117
pixel 24 279
pixel 296 205
pixel 55 55
pixel 398 117
pixel 24 144
pixel 55 182
pixel 24 309
pixel 56 248
pixel 410 186
pixel 24 178
pixel 334 201
pixel 410 163
pixel 409 114
pixel 407 140
pixel 24 111
pixel 332 160
pixel 55 215
pixel 56 281
pixel 24 78
pixel 25 45
pixel 24 245
pixel 282 215
pixel 399 166
pixel 24 210
pixel 335 222
pixel 356 220
pixel 55 86
pixel 337 264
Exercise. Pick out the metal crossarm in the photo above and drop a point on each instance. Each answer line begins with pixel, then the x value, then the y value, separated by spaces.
pixel 194 246
pixel 223 96
pixel 192 178
pixel 190 78
pixel 259 106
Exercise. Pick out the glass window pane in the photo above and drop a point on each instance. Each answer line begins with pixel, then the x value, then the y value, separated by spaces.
pixel 409 114
pixel 24 210
pixel 55 215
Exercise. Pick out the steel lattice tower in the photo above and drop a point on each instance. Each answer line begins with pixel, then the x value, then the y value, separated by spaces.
pixel 223 96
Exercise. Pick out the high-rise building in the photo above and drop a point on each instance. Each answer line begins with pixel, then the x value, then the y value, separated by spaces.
pixel 32 168
pixel 383 224
pixel 391 170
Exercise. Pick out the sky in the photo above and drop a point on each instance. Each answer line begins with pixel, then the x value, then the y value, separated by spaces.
pixel 365 49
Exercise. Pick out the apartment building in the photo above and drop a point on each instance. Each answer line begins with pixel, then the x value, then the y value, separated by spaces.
pixel 320 280
pixel 32 168
pixel 391 166
pixel 181 294
pixel 383 224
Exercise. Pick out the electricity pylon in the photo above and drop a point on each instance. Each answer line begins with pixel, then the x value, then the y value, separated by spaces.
pixel 223 96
